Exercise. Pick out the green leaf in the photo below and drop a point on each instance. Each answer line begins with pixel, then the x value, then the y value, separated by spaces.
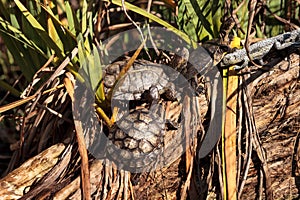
pixel 81 51
pixel 94 74
pixel 39 29
pixel 8 87
pixel 26 53
pixel 100 95
pixel 84 18
pixel 21 55
pixel 3 9
pixel 71 18
pixel 54 18
pixel 14 21
pixel 53 32
pixel 144 13
pixel 13 32
pixel 200 19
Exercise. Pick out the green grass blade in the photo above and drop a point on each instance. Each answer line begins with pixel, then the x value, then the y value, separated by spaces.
pixel 144 13
pixel 8 87
pixel 14 21
pixel 71 18
pixel 20 54
pixel 13 32
pixel 39 29
pixel 53 32
pixel 84 18
pixel 200 19
pixel 95 69
pixel 3 9
pixel 54 18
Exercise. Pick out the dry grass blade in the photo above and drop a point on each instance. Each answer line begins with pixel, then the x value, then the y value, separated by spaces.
pixel 73 190
pixel 131 60
pixel 69 87
pixel 190 150
pixel 126 67
pixel 85 174
pixel 230 134
pixel 59 69
pixel 26 100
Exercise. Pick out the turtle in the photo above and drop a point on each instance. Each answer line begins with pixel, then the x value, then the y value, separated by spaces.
pixel 144 136
pixel 157 119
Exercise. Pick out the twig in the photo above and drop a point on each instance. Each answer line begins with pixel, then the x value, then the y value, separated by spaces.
pixel 133 22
